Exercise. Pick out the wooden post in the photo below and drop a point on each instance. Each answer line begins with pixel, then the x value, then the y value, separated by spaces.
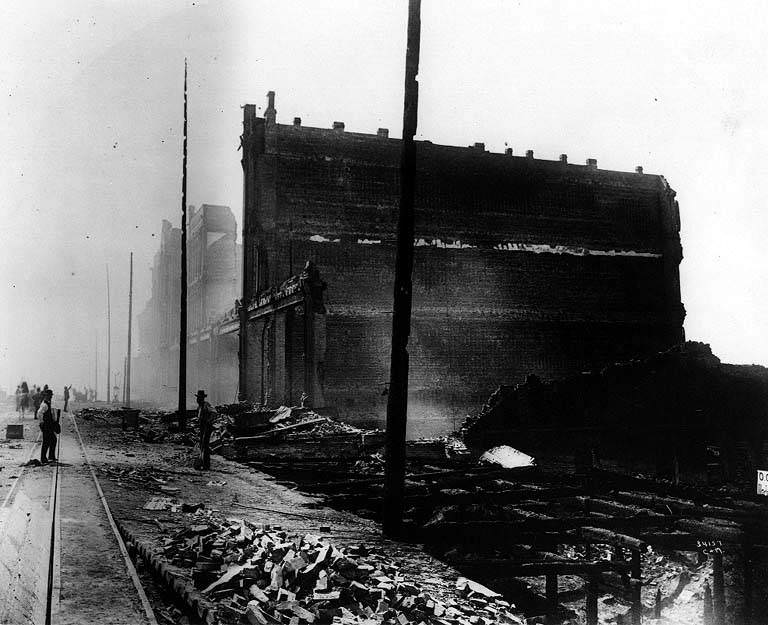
pixel 747 591
pixel 397 402
pixel 183 306
pixel 707 615
pixel 718 587
pixel 130 318
pixel 551 594
pixel 591 605
pixel 617 555
pixel 109 341
pixel 637 585
pixel 657 606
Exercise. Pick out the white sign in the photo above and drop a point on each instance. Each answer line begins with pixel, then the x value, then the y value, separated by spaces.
pixel 762 482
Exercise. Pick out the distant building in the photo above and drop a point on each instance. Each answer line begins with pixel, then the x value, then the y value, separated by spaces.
pixel 213 278
pixel 522 266
pixel 152 373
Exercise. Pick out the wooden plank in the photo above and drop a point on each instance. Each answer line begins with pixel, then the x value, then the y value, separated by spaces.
pixel 452 499
pixel 710 531
pixel 691 508
pixel 502 568
pixel 464 476
pixel 602 535
pixel 279 431
pixel 498 529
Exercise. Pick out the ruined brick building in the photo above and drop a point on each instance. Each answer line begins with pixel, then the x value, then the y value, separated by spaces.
pixel 522 266
pixel 214 267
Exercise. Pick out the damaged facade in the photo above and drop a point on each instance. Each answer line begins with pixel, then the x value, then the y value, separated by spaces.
pixel 522 266
pixel 213 269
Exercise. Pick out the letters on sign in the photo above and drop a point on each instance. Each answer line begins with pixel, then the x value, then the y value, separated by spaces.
pixel 762 482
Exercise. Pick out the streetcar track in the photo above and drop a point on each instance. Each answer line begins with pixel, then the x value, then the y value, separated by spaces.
pixel 121 544
pixel 15 484
pixel 53 505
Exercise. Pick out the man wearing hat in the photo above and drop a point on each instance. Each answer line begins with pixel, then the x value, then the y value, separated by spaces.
pixel 206 416
pixel 49 426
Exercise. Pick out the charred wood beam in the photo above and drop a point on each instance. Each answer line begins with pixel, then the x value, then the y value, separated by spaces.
pixel 608 537
pixel 501 568
pixel 594 504
pixel 679 541
pixel 451 477
pixel 501 497
pixel 691 508
pixel 549 524
pixel 710 531
pixel 278 431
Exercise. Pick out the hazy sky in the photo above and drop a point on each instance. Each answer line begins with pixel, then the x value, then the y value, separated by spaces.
pixel 90 126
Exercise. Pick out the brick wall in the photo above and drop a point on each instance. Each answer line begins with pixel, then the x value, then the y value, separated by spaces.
pixel 522 265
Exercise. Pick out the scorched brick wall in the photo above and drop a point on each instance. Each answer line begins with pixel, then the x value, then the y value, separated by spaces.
pixel 521 266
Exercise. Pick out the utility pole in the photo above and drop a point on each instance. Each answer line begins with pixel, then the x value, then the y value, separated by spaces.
pixel 96 371
pixel 397 401
pixel 183 315
pixel 109 337
pixel 128 359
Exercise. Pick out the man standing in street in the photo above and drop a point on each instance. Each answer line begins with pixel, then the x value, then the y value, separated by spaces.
pixel 66 396
pixel 206 416
pixel 50 428
pixel 37 398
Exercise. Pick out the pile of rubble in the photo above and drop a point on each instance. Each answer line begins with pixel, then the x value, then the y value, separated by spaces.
pixel 261 575
pixel 145 475
pixel 248 420
pixel 91 413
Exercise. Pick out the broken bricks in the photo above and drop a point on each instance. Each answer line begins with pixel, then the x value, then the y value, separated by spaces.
pixel 264 577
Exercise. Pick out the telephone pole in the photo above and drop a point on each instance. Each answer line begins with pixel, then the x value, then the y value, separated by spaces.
pixel 183 315
pixel 109 338
pixel 397 401
pixel 128 358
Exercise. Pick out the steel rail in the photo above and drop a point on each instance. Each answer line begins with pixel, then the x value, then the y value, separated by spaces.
pixel 123 550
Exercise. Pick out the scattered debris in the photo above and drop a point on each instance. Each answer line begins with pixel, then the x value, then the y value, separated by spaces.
pixel 162 503
pixel 507 457
pixel 263 575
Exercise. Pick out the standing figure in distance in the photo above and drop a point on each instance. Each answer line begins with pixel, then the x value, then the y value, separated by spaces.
pixel 206 416
pixel 66 396
pixel 24 398
pixel 49 426
pixel 37 398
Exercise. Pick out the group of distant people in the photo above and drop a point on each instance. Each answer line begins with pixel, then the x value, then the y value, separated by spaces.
pixel 31 401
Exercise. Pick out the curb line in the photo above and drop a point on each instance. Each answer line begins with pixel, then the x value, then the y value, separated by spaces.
pixel 182 588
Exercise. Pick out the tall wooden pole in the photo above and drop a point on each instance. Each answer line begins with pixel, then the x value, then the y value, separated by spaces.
pixel 109 339
pixel 130 316
pixel 183 315
pixel 96 372
pixel 397 402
